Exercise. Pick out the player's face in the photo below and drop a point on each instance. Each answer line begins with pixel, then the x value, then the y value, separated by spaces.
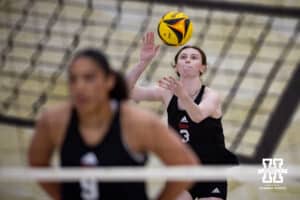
pixel 88 84
pixel 189 63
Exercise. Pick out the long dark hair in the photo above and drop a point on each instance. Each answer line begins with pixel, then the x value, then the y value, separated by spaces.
pixel 120 90
pixel 202 53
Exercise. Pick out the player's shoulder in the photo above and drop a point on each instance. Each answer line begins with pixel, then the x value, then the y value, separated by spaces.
pixel 53 121
pixel 56 114
pixel 139 124
pixel 138 116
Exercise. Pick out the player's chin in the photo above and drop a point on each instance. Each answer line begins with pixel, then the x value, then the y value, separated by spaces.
pixel 189 74
pixel 85 107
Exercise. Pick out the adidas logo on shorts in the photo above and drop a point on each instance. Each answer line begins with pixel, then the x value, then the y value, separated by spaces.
pixel 216 191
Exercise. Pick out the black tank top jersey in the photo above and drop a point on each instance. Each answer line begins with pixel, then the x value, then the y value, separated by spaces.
pixel 205 138
pixel 112 151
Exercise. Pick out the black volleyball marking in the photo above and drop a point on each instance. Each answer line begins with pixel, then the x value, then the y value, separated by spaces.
pixel 179 35
pixel 167 43
pixel 186 26
pixel 173 21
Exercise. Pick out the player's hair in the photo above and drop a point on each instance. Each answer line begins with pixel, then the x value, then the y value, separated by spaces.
pixel 120 90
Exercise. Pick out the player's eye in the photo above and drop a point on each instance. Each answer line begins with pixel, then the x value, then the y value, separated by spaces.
pixel 72 78
pixel 89 77
pixel 183 57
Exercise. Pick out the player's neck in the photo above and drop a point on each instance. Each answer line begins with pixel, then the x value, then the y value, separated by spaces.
pixel 98 117
pixel 191 85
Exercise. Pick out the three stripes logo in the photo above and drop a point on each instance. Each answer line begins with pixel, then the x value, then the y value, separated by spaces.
pixel 184 120
pixel 216 191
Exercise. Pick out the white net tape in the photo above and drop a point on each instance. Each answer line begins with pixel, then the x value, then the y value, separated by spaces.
pixel 243 173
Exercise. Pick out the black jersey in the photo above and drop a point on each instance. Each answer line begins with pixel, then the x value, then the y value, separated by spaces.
pixel 111 151
pixel 205 138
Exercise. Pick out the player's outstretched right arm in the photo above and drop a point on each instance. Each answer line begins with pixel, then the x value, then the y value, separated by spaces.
pixel 147 53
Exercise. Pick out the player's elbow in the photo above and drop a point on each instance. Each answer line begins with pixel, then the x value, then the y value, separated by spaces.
pixel 35 160
pixel 135 94
pixel 32 161
pixel 193 160
pixel 197 118
pixel 134 97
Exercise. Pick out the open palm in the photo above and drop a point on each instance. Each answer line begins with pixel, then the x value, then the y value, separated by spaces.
pixel 148 50
pixel 173 85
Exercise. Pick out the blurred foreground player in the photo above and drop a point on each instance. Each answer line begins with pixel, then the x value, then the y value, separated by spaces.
pixel 98 128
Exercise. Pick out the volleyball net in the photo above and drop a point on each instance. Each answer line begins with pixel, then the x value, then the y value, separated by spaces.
pixel 246 173
pixel 281 180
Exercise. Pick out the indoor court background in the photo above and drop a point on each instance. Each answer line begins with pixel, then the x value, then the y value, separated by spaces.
pixel 253 50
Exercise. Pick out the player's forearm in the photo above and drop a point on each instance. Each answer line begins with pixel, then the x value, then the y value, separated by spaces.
pixel 133 75
pixel 173 189
pixel 191 108
pixel 52 189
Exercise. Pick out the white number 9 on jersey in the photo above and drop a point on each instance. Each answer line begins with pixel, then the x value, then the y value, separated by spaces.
pixel 89 189
pixel 185 135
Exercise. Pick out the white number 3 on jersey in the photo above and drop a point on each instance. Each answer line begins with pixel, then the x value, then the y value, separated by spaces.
pixel 185 135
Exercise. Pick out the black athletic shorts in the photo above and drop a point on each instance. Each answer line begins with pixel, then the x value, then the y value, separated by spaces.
pixel 209 189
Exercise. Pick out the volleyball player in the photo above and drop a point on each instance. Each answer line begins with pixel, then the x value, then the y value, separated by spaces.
pixel 194 110
pixel 98 127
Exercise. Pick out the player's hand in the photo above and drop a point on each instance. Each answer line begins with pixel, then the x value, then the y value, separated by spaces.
pixel 148 50
pixel 173 85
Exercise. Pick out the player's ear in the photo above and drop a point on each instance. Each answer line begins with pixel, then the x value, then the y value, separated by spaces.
pixel 111 81
pixel 203 69
pixel 176 70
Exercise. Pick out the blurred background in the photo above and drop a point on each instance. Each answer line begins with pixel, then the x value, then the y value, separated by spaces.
pixel 253 50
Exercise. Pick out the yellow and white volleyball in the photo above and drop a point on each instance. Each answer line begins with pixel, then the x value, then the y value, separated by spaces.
pixel 175 28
